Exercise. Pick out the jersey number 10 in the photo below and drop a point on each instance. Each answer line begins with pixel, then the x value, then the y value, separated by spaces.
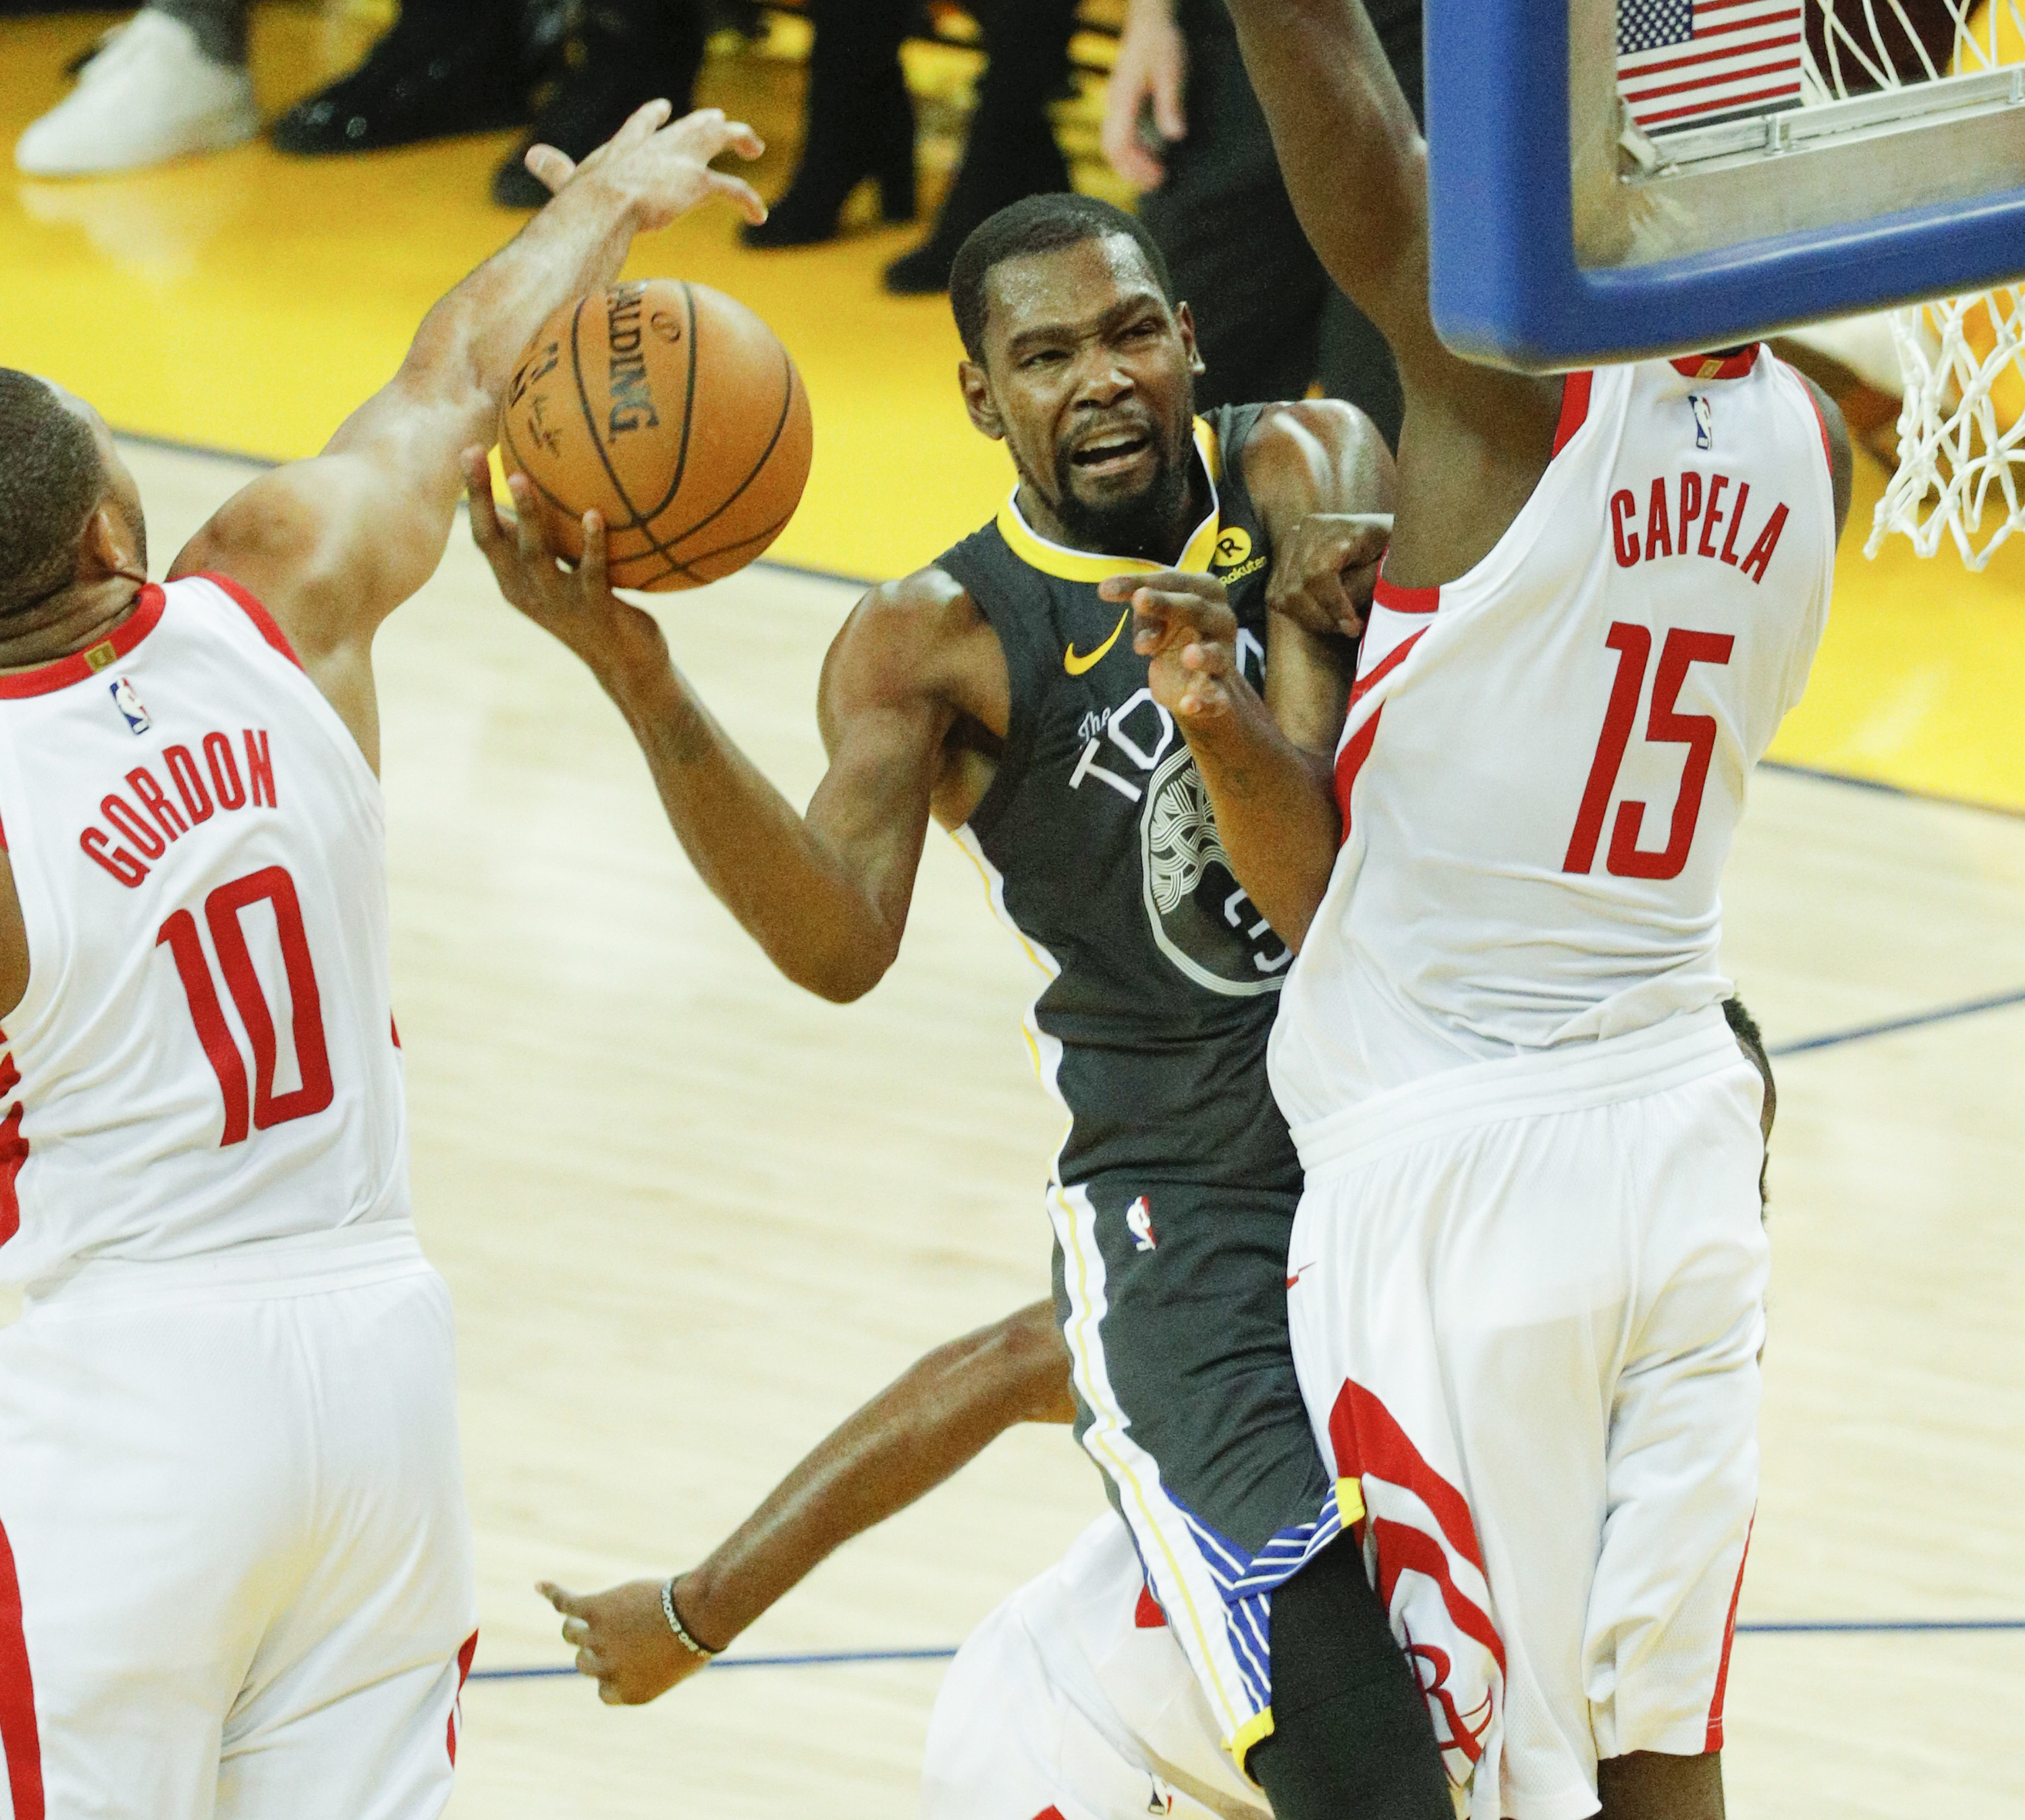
pixel 222 911
pixel 1667 726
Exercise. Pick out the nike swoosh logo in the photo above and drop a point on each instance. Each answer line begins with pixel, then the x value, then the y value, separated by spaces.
pixel 1075 665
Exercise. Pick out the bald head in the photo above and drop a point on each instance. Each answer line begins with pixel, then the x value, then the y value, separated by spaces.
pixel 53 476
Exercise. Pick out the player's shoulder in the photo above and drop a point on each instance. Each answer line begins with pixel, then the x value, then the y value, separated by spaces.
pixel 1325 448
pixel 908 634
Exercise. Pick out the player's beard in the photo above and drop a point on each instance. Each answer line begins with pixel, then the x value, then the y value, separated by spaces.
pixel 1141 525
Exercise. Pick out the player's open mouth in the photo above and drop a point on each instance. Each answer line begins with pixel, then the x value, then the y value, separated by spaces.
pixel 1112 454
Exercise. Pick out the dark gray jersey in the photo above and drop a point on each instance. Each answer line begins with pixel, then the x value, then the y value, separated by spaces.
pixel 1164 976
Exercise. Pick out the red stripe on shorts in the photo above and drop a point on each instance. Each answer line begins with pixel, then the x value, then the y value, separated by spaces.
pixel 464 1656
pixel 18 1736
pixel 1713 1740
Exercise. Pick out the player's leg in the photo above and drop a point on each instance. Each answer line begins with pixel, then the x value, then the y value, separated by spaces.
pixel 1649 1785
pixel 1348 1721
pixel 350 1707
pixel 1067 1701
pixel 1553 1522
pixel 1175 1311
pixel 145 1499
pixel 1682 1458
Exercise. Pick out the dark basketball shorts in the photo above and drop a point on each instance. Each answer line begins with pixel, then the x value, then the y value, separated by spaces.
pixel 1172 1298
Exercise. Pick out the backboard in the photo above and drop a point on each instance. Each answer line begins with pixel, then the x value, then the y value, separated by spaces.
pixel 1615 178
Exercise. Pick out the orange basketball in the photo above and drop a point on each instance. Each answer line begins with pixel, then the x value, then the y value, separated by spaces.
pixel 676 413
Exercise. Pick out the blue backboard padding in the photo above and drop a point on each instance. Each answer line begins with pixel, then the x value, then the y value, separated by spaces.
pixel 1505 286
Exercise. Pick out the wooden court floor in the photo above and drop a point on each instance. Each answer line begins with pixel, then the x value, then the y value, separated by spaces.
pixel 691 1216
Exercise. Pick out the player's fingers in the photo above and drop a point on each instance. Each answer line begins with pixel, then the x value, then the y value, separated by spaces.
pixel 611 1695
pixel 737 190
pixel 590 567
pixel 576 1630
pixel 1209 616
pixel 564 1600
pixel 743 140
pixel 1171 581
pixel 484 511
pixel 1169 78
pixel 528 539
pixel 643 122
pixel 1137 165
pixel 550 167
pixel 588 1663
pixel 1330 598
pixel 1206 657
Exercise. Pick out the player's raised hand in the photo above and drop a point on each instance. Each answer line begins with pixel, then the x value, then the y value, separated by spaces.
pixel 1323 574
pixel 1147 81
pixel 1183 622
pixel 666 164
pixel 576 605
pixel 623 1641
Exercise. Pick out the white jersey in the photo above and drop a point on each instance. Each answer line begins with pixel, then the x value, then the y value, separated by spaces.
pixel 1534 836
pixel 205 1056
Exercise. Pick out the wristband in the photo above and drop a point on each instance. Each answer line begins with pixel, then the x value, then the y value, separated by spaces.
pixel 701 1650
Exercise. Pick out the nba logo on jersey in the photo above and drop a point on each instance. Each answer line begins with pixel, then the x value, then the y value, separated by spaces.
pixel 1704 420
pixel 1139 1223
pixel 129 704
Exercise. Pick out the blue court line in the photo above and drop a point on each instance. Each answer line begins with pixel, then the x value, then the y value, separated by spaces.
pixel 812 1659
pixel 1915 1020
pixel 1851 780
pixel 827 1658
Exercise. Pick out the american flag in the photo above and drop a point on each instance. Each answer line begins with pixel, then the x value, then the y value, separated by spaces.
pixel 1684 63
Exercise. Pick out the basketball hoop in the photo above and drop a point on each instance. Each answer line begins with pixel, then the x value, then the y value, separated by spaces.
pixel 1961 424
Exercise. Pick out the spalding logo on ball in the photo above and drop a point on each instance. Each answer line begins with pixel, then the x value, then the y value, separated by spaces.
pixel 674 413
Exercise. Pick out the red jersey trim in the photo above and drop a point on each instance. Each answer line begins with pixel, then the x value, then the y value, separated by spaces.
pixel 1707 366
pixel 81 665
pixel 19 1738
pixel 1827 448
pixel 1575 390
pixel 1395 599
pixel 263 621
pixel 1384 668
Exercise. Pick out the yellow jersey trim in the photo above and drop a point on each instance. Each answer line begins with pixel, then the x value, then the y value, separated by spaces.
pixel 1254 1730
pixel 1082 565
pixel 1349 1501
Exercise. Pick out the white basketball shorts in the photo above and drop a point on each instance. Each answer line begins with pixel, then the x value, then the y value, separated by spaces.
pixel 1073 1701
pixel 1527 1299
pixel 235 1566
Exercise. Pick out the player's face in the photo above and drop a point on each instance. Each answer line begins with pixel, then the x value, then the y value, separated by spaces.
pixel 1091 378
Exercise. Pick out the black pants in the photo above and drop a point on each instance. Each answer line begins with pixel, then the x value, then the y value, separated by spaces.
pixel 1271 321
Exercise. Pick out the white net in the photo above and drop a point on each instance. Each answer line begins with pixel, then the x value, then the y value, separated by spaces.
pixel 1961 425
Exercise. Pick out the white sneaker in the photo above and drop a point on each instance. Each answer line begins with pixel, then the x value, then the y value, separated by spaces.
pixel 150 96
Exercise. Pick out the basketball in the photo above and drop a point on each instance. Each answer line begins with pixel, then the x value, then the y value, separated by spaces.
pixel 674 412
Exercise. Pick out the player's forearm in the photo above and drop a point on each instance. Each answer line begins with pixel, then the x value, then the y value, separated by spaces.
pixel 1276 812
pixel 1347 144
pixel 788 888
pixel 449 386
pixel 921 1430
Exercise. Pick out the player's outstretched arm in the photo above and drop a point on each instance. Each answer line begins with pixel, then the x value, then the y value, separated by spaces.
pixel 1476 440
pixel 333 545
pixel 933 1420
pixel 826 893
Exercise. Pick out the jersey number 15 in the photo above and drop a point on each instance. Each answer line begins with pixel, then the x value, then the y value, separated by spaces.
pixel 1667 726
pixel 222 911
